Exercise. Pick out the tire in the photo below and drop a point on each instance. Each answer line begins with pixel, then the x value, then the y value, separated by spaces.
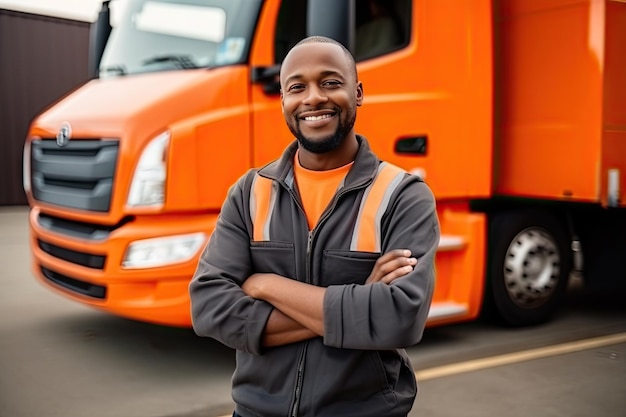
pixel 529 263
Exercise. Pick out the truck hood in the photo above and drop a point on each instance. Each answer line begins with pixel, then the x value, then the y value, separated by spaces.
pixel 108 107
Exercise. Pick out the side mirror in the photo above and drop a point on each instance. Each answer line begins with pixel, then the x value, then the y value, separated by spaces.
pixel 338 25
pixel 269 77
pixel 98 36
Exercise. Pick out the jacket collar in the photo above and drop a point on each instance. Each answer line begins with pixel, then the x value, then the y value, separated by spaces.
pixel 364 168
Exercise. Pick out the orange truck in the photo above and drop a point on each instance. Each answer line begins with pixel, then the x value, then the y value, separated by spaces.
pixel 512 110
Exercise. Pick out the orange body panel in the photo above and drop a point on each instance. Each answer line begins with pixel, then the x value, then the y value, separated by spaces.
pixel 439 87
pixel 614 101
pixel 559 67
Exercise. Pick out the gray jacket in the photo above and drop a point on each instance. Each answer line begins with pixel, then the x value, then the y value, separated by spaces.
pixel 359 368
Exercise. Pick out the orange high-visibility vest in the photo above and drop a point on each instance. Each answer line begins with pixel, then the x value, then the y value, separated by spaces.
pixel 366 236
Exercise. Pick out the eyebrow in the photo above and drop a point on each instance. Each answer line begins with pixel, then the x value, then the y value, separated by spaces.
pixel 323 74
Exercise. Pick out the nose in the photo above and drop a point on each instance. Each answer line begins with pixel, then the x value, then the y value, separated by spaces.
pixel 314 96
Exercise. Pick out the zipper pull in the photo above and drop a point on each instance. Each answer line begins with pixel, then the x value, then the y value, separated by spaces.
pixel 309 243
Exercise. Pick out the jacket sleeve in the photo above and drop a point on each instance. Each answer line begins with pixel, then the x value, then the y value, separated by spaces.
pixel 219 307
pixel 381 316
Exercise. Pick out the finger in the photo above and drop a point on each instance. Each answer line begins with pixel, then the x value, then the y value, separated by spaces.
pixel 398 263
pixel 380 266
pixel 382 270
pixel 385 264
pixel 393 254
pixel 397 273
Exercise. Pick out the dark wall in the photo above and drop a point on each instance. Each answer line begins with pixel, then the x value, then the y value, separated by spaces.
pixel 41 59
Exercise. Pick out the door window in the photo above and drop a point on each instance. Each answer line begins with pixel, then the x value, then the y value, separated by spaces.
pixel 382 26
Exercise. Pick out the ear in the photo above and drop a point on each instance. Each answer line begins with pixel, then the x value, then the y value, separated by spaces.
pixel 359 93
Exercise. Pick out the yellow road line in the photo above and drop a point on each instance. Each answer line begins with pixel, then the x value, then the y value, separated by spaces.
pixel 515 357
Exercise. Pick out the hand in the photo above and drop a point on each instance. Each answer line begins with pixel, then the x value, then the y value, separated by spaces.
pixel 392 265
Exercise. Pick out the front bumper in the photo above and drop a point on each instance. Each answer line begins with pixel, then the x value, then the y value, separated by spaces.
pixel 90 271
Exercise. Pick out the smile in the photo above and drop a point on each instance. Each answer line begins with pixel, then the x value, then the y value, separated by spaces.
pixel 316 118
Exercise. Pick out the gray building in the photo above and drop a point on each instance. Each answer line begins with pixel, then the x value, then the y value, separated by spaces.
pixel 42 58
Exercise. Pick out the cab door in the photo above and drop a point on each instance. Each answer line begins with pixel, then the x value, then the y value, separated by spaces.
pixel 426 71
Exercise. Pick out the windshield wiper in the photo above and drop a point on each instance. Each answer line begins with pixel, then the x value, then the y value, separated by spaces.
pixel 183 61
pixel 116 69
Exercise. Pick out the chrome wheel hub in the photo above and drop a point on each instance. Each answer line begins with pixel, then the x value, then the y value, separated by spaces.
pixel 531 268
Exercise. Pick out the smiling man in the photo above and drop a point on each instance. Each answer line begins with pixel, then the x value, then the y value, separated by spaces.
pixel 319 100
pixel 320 268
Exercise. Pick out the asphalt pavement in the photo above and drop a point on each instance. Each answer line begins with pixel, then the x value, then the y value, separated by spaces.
pixel 59 358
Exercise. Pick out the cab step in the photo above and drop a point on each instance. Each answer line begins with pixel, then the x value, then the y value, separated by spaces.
pixel 446 309
pixel 451 243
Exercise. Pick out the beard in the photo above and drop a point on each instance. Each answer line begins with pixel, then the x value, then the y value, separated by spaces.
pixel 330 142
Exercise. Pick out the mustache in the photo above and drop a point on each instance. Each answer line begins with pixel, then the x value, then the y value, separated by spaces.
pixel 318 108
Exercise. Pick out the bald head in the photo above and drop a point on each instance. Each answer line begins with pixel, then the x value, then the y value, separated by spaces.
pixel 323 39
pixel 320 92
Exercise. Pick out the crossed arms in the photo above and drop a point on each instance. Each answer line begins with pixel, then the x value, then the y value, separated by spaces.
pixel 299 307
pixel 248 311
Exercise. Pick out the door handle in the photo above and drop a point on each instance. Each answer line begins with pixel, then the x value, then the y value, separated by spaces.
pixel 412 145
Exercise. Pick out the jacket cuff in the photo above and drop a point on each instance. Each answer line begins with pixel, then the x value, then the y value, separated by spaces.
pixel 255 326
pixel 333 316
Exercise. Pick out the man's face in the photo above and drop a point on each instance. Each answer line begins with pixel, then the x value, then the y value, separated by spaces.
pixel 319 95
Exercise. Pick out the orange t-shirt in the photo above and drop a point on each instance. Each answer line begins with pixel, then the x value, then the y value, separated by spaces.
pixel 317 188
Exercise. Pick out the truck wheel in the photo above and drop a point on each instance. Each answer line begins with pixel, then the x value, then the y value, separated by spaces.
pixel 528 267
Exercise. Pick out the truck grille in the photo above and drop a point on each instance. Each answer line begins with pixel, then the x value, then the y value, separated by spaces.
pixel 78 175
pixel 79 230
pixel 80 258
pixel 74 285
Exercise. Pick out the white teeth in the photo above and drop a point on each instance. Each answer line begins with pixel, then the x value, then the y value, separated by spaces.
pixel 315 118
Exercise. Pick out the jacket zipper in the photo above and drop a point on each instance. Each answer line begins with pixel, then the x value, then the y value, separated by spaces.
pixel 299 380
pixel 300 377
pixel 300 369
pixel 309 248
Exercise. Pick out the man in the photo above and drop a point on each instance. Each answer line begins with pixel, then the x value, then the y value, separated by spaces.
pixel 320 268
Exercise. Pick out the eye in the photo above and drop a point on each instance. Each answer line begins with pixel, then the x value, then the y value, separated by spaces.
pixel 331 84
pixel 294 88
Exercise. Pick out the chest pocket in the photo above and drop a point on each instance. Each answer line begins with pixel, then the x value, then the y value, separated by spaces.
pixel 267 256
pixel 353 266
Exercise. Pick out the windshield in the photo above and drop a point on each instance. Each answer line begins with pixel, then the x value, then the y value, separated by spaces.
pixel 159 35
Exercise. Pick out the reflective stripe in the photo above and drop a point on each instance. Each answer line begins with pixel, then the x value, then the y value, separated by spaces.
pixel 366 236
pixel 262 201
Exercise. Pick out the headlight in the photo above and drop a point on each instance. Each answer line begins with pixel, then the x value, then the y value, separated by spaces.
pixel 148 185
pixel 150 253
pixel 26 168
